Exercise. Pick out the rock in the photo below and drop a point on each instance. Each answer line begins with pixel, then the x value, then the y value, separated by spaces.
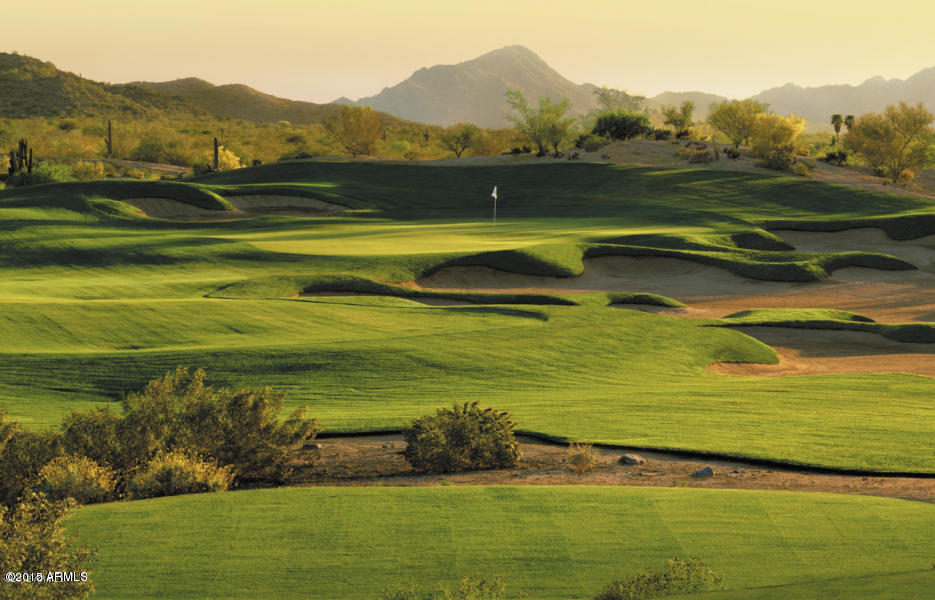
pixel 632 459
pixel 703 473
pixel 314 446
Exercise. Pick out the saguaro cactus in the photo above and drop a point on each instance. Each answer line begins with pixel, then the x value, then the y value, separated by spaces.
pixel 109 140
pixel 21 158
pixel 217 162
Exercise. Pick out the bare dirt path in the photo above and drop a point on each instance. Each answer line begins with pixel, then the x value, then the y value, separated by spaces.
pixel 377 460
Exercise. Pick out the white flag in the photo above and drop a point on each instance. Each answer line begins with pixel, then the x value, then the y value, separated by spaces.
pixel 494 194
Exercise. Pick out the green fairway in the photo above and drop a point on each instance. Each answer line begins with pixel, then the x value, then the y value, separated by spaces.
pixel 96 300
pixel 557 543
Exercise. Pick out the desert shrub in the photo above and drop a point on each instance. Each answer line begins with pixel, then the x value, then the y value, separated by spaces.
pixel 621 124
pixel 68 125
pixel 838 158
pixel 43 172
pixel 76 477
pixel 87 170
pixel 178 472
pixel 799 169
pixel 135 173
pixel 693 155
pixel 590 142
pixel 96 434
pixel 150 149
pixel 662 134
pixel 240 428
pixel 906 176
pixel 33 540
pixel 22 457
pixel 464 437
pixel 582 457
pixel 776 140
pixel 400 147
pixel 677 576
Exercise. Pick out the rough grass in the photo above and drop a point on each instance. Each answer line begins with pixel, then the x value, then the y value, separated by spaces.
pixel 554 542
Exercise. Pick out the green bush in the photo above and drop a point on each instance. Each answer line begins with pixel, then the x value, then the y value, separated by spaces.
pixel 240 428
pixel 76 477
pixel 590 142
pixel 33 540
pixel 22 457
pixel 462 438
pixel 178 472
pixel 43 172
pixel 678 576
pixel 621 124
pixel 96 435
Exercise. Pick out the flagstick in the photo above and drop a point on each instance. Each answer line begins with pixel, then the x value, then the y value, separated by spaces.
pixel 494 213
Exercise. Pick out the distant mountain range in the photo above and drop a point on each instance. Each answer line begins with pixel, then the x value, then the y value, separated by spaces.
pixel 471 91
pixel 817 104
pixel 240 101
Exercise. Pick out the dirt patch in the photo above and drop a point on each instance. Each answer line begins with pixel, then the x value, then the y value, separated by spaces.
pixel 377 460
pixel 815 351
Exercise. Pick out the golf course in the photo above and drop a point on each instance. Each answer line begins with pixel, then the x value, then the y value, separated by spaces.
pixel 714 314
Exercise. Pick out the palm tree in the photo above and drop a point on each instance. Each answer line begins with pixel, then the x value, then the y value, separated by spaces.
pixel 836 122
pixel 849 122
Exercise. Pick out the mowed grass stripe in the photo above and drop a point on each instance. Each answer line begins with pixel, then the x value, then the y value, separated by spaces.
pixel 555 542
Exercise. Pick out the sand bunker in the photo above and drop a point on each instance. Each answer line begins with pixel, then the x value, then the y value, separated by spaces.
pixel 814 351
pixel 920 252
pixel 659 275
pixel 272 204
pixel 166 208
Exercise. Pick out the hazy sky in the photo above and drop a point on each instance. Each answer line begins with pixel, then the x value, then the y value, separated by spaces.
pixel 319 50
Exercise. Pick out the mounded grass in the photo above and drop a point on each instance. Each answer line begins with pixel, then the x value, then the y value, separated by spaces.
pixel 554 542
pixel 831 319
pixel 284 286
pixel 95 302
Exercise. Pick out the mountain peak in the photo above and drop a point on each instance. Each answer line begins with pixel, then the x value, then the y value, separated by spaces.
pixel 474 90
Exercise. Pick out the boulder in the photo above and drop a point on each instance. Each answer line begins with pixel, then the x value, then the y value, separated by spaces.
pixel 632 459
pixel 703 473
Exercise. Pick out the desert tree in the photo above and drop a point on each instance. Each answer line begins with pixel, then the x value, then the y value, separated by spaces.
pixel 356 128
pixel 776 139
pixel 544 126
pixel 836 122
pixel 736 119
pixel 894 141
pixel 613 99
pixel 459 137
pixel 679 118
